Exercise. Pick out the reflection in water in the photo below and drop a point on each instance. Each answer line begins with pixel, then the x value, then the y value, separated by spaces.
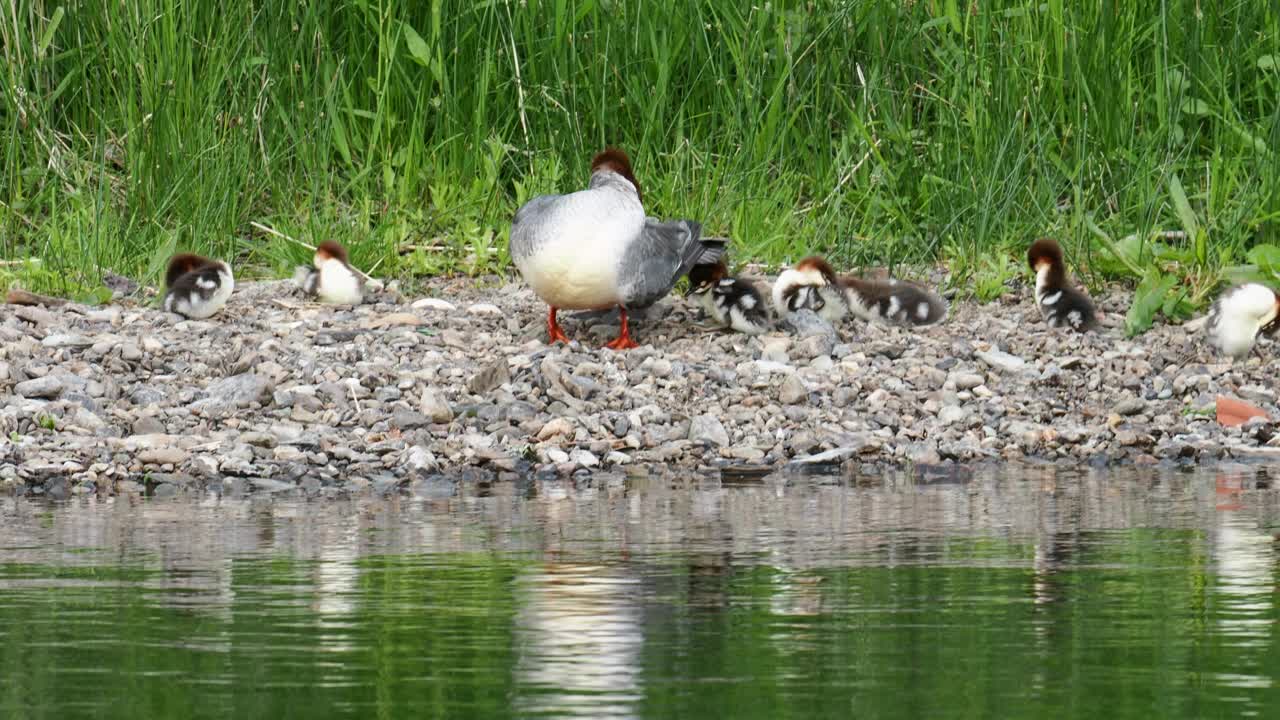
pixel 1245 560
pixel 656 597
pixel 579 638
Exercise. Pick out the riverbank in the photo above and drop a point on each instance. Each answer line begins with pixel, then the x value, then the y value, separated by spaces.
pixel 277 393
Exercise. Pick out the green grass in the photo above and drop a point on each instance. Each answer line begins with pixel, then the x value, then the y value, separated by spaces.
pixel 881 132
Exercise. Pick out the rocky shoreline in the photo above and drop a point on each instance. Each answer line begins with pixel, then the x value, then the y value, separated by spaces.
pixel 279 394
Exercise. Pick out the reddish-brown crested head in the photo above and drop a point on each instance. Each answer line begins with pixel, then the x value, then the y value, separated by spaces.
pixel 183 263
pixel 615 160
pixel 330 250
pixel 819 264
pixel 1045 251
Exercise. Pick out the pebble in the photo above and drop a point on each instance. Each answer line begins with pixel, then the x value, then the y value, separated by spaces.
pixel 434 407
pixel 164 456
pixel 1001 360
pixel 708 429
pixel 792 391
pixel 1131 406
pixel 42 387
pixel 490 377
pixel 433 304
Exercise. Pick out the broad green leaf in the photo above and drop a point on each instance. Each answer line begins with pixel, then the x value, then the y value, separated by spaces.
pixel 1265 256
pixel 1267 62
pixel 418 49
pixel 1147 301
pixel 1183 207
pixel 1122 258
pixel 1195 106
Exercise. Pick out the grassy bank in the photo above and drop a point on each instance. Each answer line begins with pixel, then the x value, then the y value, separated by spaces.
pixel 879 131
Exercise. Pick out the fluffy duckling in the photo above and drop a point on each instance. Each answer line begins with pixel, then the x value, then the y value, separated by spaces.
pixel 1239 315
pixel 810 285
pixel 731 302
pixel 596 248
pixel 331 277
pixel 1061 304
pixel 897 302
pixel 197 287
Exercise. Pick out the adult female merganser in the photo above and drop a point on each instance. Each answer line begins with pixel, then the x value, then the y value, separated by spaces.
pixel 897 302
pixel 331 277
pixel 810 285
pixel 731 302
pixel 1061 304
pixel 197 287
pixel 596 248
pixel 1239 315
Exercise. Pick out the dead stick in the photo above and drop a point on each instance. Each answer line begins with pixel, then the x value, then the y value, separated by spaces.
pixel 22 297
pixel 282 236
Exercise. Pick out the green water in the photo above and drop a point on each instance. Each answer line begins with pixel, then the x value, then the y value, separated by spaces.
pixel 1124 595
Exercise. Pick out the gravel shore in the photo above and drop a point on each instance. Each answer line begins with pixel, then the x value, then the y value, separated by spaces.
pixel 278 394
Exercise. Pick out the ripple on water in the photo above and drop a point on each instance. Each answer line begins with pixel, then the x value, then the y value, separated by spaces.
pixel 1012 593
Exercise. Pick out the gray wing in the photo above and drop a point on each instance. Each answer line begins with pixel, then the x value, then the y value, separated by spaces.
pixel 524 226
pixel 657 259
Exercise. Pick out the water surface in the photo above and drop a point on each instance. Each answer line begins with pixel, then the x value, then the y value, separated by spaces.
pixel 1037 594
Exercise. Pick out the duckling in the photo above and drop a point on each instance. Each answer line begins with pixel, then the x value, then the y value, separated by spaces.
pixel 197 287
pixel 1061 304
pixel 897 302
pixel 731 302
pixel 811 285
pixel 331 277
pixel 596 248
pixel 1240 315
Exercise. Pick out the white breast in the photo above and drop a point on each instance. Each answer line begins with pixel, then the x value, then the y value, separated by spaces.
pixel 714 311
pixel 578 246
pixel 338 285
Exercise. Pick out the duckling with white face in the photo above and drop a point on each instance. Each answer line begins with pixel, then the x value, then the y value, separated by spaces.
pixel 810 285
pixel 731 302
pixel 1061 304
pixel 331 278
pixel 197 287
pixel 1240 315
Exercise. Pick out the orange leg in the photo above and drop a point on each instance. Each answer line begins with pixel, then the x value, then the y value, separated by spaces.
pixel 553 329
pixel 623 341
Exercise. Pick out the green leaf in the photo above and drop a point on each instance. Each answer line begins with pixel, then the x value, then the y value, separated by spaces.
pixel 1265 256
pixel 1195 106
pixel 1122 258
pixel 1183 207
pixel 93 296
pixel 953 14
pixel 418 49
pixel 1148 299
pixel 1267 62
pixel 47 37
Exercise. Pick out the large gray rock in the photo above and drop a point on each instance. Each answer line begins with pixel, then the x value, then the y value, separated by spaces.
pixel 708 429
pixel 47 387
pixel 235 391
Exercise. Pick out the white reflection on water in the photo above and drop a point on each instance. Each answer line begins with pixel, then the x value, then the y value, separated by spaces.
pixel 578 637
pixel 1244 559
